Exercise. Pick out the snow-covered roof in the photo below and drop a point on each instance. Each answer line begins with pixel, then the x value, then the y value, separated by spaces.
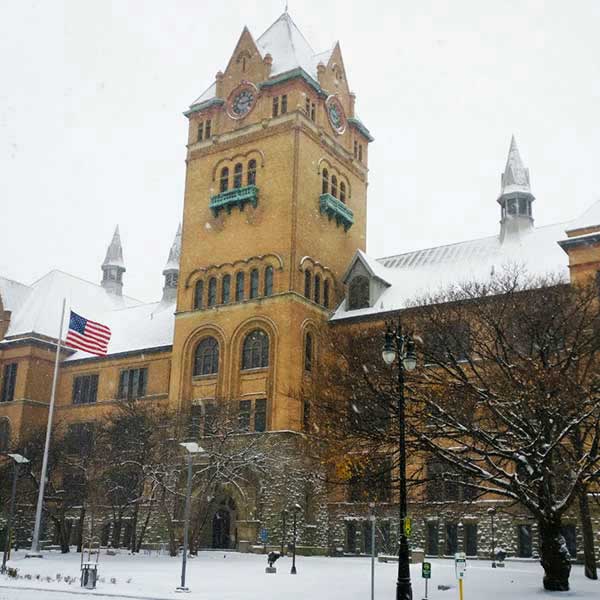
pixel 12 293
pixel 38 310
pixel 590 218
pixel 137 328
pixel 515 177
pixel 415 274
pixel 289 50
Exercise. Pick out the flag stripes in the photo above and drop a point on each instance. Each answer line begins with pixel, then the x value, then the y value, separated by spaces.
pixel 87 335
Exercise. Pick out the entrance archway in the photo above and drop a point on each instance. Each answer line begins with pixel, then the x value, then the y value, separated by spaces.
pixel 224 532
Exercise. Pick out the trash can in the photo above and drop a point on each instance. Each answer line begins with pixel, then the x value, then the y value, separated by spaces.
pixel 89 575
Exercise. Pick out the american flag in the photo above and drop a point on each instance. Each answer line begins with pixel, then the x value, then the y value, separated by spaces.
pixel 87 335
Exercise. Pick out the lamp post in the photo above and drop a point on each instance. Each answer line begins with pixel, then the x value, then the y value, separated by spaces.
pixel 492 512
pixel 401 346
pixel 284 513
pixel 296 509
pixel 192 448
pixel 17 460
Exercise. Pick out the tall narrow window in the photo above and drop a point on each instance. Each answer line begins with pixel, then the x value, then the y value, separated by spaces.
pixel 325 184
pixel 307 107
pixel 200 132
pixel 471 539
pixel 244 414
pixel 307 283
pixel 326 293
pixel 275 106
pixel 433 538
pixel 252 172
pixel 313 111
pixel 239 287
pixel 226 289
pixel 237 175
pixel 343 192
pixel 260 414
pixel 283 104
pixel 207 128
pixel 360 152
pixel 308 352
pixel 255 351
pixel 198 294
pixel 451 539
pixel 317 289
pixel 355 149
pixel 4 435
pixel 212 291
pixel 524 541
pixel 254 283
pixel 206 357
pixel 8 382
pixel 358 293
pixel 334 190
pixel 268 281
pixel 224 179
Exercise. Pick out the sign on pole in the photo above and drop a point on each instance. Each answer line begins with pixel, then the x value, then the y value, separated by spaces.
pixel 460 564
pixel 264 536
pixel 426 570
pixel 407 526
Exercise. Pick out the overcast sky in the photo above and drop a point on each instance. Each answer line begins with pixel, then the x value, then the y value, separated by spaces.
pixel 92 132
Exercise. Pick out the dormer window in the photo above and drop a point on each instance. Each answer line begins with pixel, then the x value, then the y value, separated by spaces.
pixel 358 293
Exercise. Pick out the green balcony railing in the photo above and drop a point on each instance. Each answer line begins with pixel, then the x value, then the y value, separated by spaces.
pixel 235 197
pixel 336 209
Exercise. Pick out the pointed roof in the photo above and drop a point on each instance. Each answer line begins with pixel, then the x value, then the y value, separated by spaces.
pixel 515 177
pixel 114 254
pixel 174 253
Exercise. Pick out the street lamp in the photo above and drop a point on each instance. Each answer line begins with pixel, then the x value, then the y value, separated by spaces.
pixel 192 448
pixel 492 512
pixel 401 346
pixel 296 509
pixel 18 460
pixel 284 514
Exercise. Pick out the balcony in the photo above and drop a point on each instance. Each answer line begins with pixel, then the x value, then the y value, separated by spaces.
pixel 235 197
pixel 336 209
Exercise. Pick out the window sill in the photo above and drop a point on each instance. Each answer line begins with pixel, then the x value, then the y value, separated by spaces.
pixel 199 378
pixel 253 370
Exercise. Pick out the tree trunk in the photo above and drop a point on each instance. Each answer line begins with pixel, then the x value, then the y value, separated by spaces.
pixel 134 520
pixel 144 526
pixel 80 529
pixel 588 535
pixel 554 556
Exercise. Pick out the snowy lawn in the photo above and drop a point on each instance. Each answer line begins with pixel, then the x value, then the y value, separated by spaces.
pixel 232 576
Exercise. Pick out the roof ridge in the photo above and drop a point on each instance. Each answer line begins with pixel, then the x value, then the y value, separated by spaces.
pixel 15 281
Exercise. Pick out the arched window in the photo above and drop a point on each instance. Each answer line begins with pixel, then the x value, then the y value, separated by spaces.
pixel 255 352
pixel 226 289
pixel 307 283
pixel 343 192
pixel 254 283
pixel 317 289
pixel 308 352
pixel 252 172
pixel 224 179
pixel 358 293
pixel 239 287
pixel 198 294
pixel 268 281
pixel 4 434
pixel 237 175
pixel 334 186
pixel 325 184
pixel 326 293
pixel 212 291
pixel 206 357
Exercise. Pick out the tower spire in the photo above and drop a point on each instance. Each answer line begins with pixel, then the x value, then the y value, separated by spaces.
pixel 113 266
pixel 171 270
pixel 515 195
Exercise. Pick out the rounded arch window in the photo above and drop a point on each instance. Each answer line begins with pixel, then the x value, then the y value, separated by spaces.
pixel 326 293
pixel 224 183
pixel 4 434
pixel 307 283
pixel 198 294
pixel 212 291
pixel 358 293
pixel 268 281
pixel 255 351
pixel 334 188
pixel 237 175
pixel 252 172
pixel 317 289
pixel 254 283
pixel 343 192
pixel 206 357
pixel 308 351
pixel 325 182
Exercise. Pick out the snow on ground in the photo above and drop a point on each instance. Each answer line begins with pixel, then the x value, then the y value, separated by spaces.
pixel 231 576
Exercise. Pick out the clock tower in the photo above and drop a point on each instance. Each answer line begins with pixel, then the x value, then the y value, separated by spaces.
pixel 275 208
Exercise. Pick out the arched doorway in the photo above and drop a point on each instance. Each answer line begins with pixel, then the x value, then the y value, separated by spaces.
pixel 224 531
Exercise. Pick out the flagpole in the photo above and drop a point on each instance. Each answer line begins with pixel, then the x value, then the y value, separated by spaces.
pixel 35 543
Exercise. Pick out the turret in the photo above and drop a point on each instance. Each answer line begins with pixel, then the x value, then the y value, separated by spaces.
pixel 171 270
pixel 515 196
pixel 113 266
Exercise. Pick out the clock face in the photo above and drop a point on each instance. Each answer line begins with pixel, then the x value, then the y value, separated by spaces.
pixel 336 115
pixel 242 101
